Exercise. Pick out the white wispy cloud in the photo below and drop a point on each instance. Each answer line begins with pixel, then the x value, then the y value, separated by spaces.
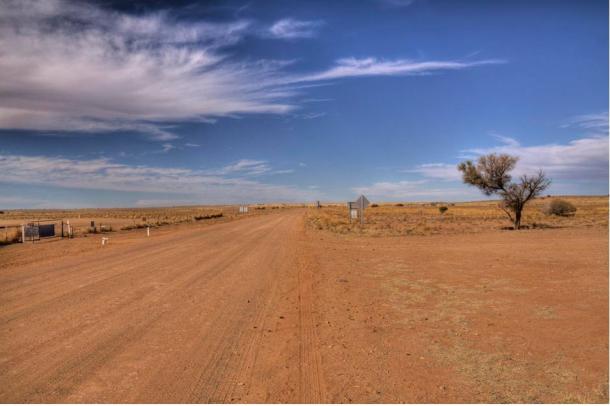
pixel 167 147
pixel 246 167
pixel 289 28
pixel 582 160
pixel 354 67
pixel 439 171
pixel 72 66
pixel 396 3
pixel 310 116
pixel 595 122
pixel 105 174
pixel 409 190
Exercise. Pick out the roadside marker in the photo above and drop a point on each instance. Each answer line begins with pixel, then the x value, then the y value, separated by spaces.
pixel 148 231
pixel 356 209
pixel 104 241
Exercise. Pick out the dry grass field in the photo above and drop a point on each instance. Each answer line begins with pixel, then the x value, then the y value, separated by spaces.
pixel 396 219
pixel 124 219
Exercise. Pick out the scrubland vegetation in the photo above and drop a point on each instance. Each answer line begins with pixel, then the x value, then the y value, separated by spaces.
pixel 395 219
pixel 125 219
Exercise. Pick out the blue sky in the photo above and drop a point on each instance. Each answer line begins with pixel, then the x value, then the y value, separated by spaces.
pixel 107 104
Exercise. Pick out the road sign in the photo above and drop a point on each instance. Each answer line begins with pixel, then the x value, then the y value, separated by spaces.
pixel 362 202
pixel 356 209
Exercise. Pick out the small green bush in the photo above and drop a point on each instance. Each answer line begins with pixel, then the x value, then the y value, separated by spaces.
pixel 399 205
pixel 558 207
pixel 374 205
pixel 443 209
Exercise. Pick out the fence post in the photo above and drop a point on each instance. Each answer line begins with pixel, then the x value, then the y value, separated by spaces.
pixel 23 234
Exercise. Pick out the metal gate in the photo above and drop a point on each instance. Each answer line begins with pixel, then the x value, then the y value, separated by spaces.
pixel 31 232
pixel 46 230
pixel 36 231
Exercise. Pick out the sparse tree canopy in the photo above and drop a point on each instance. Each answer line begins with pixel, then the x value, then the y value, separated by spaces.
pixel 491 174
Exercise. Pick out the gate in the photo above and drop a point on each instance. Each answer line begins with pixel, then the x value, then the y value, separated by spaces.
pixel 30 232
pixel 34 231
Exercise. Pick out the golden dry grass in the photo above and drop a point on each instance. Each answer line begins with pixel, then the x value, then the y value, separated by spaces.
pixel 116 219
pixel 394 219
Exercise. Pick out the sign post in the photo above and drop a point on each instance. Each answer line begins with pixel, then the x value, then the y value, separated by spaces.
pixel 356 208
pixel 362 203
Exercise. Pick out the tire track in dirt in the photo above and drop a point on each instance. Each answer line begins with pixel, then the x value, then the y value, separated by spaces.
pixel 193 306
pixel 85 336
pixel 102 263
pixel 126 298
pixel 311 386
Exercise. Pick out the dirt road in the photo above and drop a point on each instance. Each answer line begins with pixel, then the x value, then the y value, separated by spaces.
pixel 214 315
pixel 263 310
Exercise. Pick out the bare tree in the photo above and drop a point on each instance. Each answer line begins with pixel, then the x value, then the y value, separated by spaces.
pixel 491 174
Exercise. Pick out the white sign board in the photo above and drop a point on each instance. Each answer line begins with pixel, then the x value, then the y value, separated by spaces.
pixel 243 209
pixel 354 213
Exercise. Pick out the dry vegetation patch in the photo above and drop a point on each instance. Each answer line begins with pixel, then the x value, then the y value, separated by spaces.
pixel 394 219
pixel 125 219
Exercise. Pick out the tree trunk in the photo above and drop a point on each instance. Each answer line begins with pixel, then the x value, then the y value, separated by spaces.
pixel 517 219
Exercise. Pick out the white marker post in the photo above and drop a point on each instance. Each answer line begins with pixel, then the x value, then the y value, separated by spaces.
pixel 148 231
pixel 104 241
pixel 22 234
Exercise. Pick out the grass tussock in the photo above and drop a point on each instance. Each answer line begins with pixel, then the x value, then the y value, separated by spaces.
pixel 208 216
pixel 559 207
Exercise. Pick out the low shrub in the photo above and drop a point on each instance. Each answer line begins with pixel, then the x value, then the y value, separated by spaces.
pixel 208 216
pixel 443 209
pixel 374 205
pixel 135 226
pixel 558 207
pixel 399 205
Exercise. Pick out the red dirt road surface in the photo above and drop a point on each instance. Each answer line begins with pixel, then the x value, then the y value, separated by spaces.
pixel 265 310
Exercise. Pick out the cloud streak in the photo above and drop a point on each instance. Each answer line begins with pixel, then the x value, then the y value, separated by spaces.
pixel 584 158
pixel 230 184
pixel 354 67
pixel 581 160
pixel 289 28
pixel 419 190
pixel 69 66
